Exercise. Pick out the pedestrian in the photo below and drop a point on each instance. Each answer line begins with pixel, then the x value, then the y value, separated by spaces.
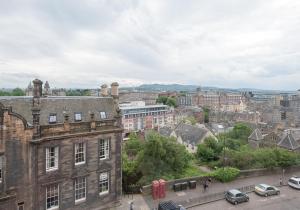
pixel 209 180
pixel 205 186
pixel 131 205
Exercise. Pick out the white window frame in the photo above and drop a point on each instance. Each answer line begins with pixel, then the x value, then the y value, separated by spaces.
pixel 104 149
pixel 1 168
pixel 83 152
pixel 54 158
pixel 80 186
pixel 52 118
pixel 103 115
pixel 21 206
pixel 104 182
pixel 53 190
pixel 78 116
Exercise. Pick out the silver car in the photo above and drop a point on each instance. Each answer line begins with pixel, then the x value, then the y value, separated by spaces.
pixel 266 190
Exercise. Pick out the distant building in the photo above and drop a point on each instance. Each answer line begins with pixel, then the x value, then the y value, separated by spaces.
pixel 136 116
pixel 60 152
pixel 220 101
pixel 47 91
pixel 148 97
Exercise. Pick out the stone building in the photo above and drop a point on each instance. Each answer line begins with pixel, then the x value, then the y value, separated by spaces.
pixel 60 152
pixel 148 97
pixel 47 91
pixel 137 116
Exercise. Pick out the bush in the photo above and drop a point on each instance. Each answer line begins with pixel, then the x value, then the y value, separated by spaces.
pixel 226 174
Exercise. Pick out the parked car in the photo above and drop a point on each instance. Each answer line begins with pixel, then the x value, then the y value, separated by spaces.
pixel 169 205
pixel 235 196
pixel 266 190
pixel 294 182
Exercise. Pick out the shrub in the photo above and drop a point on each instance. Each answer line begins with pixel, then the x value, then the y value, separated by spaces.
pixel 226 174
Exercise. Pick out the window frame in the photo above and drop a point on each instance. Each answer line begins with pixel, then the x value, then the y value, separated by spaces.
pixel 103 115
pixel 106 182
pixel 50 121
pixel 48 158
pixel 77 114
pixel 83 199
pixel 49 186
pixel 84 153
pixel 106 148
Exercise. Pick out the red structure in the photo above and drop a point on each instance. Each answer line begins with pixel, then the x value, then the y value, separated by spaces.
pixel 155 189
pixel 162 188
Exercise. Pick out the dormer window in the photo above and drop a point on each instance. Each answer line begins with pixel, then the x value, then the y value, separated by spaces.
pixel 52 118
pixel 78 116
pixel 103 115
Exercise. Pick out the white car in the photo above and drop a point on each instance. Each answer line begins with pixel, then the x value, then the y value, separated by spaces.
pixel 294 182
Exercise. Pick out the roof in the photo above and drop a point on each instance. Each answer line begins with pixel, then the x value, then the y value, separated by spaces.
pixel 190 134
pixel 289 142
pixel 165 131
pixel 61 105
pixel 142 107
pixel 256 135
pixel 234 191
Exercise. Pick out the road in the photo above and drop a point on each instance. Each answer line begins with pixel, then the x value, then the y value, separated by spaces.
pixel 289 199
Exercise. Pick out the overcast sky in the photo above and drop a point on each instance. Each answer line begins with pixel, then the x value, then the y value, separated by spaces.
pixel 224 43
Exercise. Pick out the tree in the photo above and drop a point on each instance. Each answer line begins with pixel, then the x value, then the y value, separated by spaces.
pixel 206 115
pixel 167 101
pixel 18 92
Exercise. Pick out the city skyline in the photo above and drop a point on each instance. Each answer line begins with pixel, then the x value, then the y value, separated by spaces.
pixel 209 43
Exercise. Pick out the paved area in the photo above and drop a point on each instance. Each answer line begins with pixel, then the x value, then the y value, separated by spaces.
pixel 289 199
pixel 147 203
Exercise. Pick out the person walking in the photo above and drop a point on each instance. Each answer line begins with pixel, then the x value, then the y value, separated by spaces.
pixel 205 186
pixel 131 205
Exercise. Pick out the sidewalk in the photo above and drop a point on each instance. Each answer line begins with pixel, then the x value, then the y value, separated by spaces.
pixel 147 203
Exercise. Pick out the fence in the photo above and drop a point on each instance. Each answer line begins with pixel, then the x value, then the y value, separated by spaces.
pixel 191 202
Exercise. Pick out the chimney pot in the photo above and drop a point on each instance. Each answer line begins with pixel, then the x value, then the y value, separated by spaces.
pixel 104 90
pixel 37 88
pixel 115 89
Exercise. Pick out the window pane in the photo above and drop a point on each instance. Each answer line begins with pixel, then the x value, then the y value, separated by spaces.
pixel 80 153
pixel 103 183
pixel 51 158
pixel 104 149
pixel 80 188
pixel 52 196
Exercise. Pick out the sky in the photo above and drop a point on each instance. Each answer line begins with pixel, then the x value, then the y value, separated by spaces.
pixel 71 43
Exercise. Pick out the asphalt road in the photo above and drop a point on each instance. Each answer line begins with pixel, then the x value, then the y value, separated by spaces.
pixel 289 199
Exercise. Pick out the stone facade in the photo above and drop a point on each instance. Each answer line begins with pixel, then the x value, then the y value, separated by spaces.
pixel 26 134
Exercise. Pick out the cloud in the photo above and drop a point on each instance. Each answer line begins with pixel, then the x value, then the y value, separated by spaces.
pixel 215 43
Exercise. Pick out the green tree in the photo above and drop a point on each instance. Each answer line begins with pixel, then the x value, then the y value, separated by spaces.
pixel 167 101
pixel 206 114
pixel 18 92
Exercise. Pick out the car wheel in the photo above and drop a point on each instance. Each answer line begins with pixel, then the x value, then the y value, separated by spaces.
pixel 266 195
pixel 247 199
pixel 235 202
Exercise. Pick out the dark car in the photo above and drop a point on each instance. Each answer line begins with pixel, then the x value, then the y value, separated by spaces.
pixel 235 196
pixel 169 205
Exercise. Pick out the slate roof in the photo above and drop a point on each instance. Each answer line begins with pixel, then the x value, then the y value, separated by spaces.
pixel 289 142
pixel 165 131
pixel 256 135
pixel 58 105
pixel 190 134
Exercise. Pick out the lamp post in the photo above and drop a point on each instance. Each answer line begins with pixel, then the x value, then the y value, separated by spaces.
pixel 224 148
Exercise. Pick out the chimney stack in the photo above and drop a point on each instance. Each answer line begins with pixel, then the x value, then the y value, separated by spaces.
pixel 37 88
pixel 115 90
pixel 104 90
